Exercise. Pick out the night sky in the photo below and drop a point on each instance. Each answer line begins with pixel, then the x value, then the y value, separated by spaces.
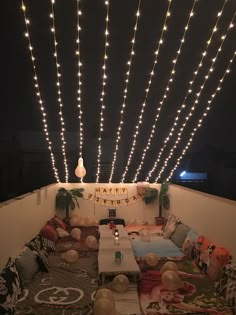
pixel 20 109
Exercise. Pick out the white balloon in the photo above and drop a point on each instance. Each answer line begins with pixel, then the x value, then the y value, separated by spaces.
pixel 104 306
pixel 145 235
pixel 169 265
pixel 104 293
pixel 151 259
pixel 71 256
pixel 171 280
pixel 74 220
pixel 120 283
pixel 91 242
pixel 76 233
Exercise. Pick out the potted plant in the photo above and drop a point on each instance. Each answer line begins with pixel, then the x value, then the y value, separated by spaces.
pixel 164 202
pixel 66 199
pixel 150 195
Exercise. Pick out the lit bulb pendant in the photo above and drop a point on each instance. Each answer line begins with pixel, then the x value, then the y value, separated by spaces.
pixel 80 170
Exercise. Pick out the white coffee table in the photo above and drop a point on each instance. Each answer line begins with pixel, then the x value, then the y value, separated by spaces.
pixel 108 267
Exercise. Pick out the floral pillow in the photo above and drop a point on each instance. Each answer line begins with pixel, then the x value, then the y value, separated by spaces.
pixel 10 287
pixel 48 232
pixel 170 225
pixel 210 258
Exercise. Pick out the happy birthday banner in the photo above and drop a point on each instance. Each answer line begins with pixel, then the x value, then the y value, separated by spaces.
pixel 111 190
pixel 97 199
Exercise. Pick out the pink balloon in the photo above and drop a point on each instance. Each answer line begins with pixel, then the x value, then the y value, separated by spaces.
pixel 76 233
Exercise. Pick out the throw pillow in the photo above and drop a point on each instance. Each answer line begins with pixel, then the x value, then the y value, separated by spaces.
pixel 27 265
pixel 189 243
pixel 169 229
pixel 10 287
pixel 56 222
pixel 180 234
pixel 36 245
pixel 62 233
pixel 48 244
pixel 49 233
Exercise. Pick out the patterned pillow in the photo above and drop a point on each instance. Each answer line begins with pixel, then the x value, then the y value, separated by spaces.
pixel 49 233
pixel 36 245
pixel 57 222
pixel 226 286
pixel 10 287
pixel 211 258
pixel 189 244
pixel 48 244
pixel 170 225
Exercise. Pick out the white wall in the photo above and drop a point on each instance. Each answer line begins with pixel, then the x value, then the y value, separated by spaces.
pixel 138 210
pixel 211 216
pixel 22 218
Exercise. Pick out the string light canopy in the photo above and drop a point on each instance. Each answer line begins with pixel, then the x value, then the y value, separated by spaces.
pixel 153 97
pixel 188 93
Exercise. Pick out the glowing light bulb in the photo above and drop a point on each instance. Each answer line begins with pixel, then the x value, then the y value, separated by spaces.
pixel 80 170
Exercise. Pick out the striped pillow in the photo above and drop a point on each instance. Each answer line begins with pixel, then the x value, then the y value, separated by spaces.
pixel 36 245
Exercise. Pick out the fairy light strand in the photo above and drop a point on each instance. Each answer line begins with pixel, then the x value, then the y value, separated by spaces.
pixel 38 93
pixel 58 84
pixel 156 54
pixel 122 111
pixel 79 74
pixel 198 94
pixel 104 78
pixel 189 91
pixel 204 115
pixel 166 92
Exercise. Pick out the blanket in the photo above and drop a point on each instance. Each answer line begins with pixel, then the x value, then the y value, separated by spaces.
pixel 68 288
pixel 197 295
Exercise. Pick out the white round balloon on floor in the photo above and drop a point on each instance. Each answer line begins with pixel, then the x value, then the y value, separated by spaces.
pixel 104 306
pixel 120 283
pixel 71 256
pixel 151 259
pixel 91 242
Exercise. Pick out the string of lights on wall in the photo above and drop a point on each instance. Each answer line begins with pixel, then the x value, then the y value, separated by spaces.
pixel 58 84
pixel 152 73
pixel 38 94
pixel 199 123
pixel 122 111
pixel 196 101
pixel 188 93
pixel 104 77
pixel 166 92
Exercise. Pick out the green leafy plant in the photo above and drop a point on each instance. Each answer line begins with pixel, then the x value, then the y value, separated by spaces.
pixel 164 198
pixel 66 199
pixel 150 195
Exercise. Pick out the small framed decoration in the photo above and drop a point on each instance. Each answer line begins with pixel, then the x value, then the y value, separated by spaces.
pixel 112 213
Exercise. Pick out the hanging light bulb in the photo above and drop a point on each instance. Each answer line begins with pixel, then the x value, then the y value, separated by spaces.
pixel 80 170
